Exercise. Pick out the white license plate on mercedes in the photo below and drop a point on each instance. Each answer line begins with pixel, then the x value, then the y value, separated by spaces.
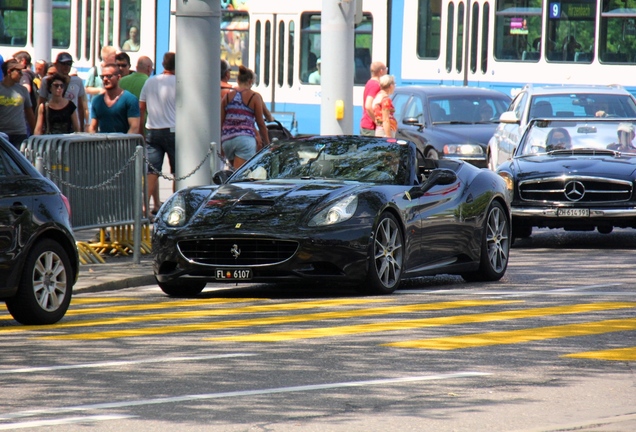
pixel 233 274
pixel 573 212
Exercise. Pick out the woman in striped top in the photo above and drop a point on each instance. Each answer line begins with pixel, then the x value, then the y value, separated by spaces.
pixel 240 109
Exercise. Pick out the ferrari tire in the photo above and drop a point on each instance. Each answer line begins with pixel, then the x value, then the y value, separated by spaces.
pixel 495 246
pixel 46 285
pixel 386 256
pixel 182 288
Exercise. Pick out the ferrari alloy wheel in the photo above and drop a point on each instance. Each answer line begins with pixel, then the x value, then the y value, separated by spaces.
pixel 182 288
pixel 46 285
pixel 495 248
pixel 387 257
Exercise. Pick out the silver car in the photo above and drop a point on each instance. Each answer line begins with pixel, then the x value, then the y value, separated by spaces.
pixel 554 102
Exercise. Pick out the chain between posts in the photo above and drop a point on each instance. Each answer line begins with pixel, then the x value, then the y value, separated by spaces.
pixel 106 182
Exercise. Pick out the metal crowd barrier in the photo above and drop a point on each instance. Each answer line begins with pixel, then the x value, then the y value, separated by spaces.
pixel 97 173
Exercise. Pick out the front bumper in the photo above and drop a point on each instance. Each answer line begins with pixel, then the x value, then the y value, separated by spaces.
pixel 338 255
pixel 551 212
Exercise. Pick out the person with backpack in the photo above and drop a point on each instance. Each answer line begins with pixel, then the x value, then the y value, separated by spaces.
pixel 28 78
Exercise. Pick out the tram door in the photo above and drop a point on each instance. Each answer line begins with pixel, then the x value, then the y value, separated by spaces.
pixel 274 59
pixel 466 47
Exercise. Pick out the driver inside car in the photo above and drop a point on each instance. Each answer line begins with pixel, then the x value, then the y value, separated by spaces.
pixel 558 139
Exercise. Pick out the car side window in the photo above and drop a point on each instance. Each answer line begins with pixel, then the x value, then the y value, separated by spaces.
pixel 399 100
pixel 8 167
pixel 415 109
pixel 520 104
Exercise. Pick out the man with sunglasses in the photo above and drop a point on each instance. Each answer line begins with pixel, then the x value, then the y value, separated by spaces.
pixel 115 110
pixel 123 61
pixel 15 104
pixel 74 90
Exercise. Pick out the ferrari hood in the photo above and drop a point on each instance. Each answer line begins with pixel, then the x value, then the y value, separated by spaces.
pixel 557 165
pixel 272 203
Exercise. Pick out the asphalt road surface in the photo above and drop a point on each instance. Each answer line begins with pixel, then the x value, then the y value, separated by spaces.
pixel 550 347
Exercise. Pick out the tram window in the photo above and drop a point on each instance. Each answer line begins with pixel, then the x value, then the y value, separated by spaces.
pixel 61 24
pixel 570 31
pixel 281 54
pixel 484 38
pixel 449 36
pixel 617 42
pixel 290 63
pixel 268 53
pixel 428 28
pixel 234 39
pixel 518 26
pixel 474 32
pixel 129 29
pixel 257 52
pixel 309 44
pixel 363 44
pixel 310 47
pixel 13 23
pixel 459 53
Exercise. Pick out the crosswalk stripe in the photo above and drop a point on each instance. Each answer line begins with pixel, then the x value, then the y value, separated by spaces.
pixel 617 354
pixel 284 319
pixel 518 336
pixel 145 306
pixel 423 322
pixel 190 313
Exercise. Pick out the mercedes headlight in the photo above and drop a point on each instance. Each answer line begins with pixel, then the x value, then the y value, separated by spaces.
pixel 338 212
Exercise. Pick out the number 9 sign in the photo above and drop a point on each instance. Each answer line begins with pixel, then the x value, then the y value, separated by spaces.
pixel 555 10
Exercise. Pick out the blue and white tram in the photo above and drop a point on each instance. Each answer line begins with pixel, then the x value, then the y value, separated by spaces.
pixel 498 44
pixel 505 44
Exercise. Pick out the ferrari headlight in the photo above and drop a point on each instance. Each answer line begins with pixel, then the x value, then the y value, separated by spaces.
pixel 175 214
pixel 338 212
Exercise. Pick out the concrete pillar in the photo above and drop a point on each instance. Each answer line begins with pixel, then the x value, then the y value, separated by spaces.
pixel 337 66
pixel 198 75
pixel 42 30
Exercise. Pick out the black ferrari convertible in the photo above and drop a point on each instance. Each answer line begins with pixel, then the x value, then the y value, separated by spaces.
pixel 349 209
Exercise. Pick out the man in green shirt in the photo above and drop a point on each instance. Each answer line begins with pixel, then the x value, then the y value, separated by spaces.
pixel 136 80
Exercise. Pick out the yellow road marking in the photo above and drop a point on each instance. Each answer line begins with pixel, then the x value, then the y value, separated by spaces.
pixel 423 322
pixel 518 336
pixel 284 319
pixel 91 300
pixel 188 314
pixel 618 354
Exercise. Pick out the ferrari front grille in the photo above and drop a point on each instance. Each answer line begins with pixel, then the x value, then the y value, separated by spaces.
pixel 584 190
pixel 237 252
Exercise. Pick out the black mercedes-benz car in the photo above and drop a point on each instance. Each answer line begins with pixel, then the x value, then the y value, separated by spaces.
pixel 38 257
pixel 449 122
pixel 365 211
pixel 575 174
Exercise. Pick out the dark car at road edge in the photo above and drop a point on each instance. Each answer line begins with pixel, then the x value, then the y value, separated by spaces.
pixel 39 261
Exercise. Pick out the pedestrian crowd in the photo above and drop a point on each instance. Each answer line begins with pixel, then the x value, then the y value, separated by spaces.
pixel 49 98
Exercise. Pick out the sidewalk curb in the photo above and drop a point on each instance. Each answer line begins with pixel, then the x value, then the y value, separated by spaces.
pixel 131 282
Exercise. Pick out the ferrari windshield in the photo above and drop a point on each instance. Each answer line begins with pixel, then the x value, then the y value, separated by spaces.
pixel 348 158
pixel 563 136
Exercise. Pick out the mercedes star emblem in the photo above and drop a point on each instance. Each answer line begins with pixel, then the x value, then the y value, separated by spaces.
pixel 574 190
